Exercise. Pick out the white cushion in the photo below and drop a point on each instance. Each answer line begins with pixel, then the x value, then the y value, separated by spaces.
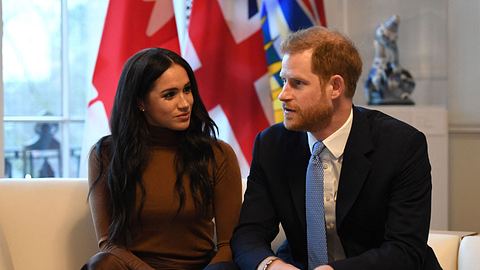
pixel 469 253
pixel 45 223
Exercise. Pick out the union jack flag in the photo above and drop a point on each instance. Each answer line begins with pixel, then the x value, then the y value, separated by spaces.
pixel 233 46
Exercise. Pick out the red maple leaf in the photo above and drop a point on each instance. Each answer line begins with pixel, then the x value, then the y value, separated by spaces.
pixel 124 34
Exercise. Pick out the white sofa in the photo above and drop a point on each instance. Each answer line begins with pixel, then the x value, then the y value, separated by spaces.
pixel 456 250
pixel 46 224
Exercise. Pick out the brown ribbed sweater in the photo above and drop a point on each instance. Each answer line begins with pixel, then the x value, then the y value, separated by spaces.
pixel 166 240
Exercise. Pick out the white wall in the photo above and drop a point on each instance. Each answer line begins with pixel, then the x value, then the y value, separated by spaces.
pixel 464 113
pixel 464 63
pixel 439 43
pixel 2 164
pixel 422 40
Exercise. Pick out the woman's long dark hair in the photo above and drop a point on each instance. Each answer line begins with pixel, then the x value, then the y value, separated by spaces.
pixel 129 153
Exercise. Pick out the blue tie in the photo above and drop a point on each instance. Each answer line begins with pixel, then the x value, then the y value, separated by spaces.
pixel 316 237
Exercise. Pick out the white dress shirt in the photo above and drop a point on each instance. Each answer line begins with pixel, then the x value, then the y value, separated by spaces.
pixel 332 158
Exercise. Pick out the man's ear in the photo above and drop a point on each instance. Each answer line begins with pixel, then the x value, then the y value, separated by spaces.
pixel 338 86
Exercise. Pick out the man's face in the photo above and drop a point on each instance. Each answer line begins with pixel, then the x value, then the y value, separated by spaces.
pixel 307 104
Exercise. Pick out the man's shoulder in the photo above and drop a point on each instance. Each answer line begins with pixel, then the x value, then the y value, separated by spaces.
pixel 384 123
pixel 275 128
pixel 278 132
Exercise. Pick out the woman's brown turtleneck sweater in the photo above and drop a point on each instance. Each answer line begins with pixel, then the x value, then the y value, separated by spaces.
pixel 165 240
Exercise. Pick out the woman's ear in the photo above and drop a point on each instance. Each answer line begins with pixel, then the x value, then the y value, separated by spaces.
pixel 141 105
pixel 338 86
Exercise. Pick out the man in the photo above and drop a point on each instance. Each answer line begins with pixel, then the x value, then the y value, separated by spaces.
pixel 375 183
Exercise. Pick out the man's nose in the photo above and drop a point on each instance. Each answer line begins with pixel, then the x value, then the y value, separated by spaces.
pixel 285 94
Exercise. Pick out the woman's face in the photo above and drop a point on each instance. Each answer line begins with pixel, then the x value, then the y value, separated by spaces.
pixel 169 103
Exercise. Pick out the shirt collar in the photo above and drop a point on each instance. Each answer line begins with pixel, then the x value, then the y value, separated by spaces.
pixel 335 143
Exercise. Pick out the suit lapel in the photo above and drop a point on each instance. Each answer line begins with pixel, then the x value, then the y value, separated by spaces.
pixel 298 155
pixel 355 166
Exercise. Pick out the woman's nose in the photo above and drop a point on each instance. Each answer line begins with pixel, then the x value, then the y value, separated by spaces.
pixel 183 103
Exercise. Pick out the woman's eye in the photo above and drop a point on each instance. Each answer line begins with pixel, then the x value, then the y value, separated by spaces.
pixel 169 95
pixel 187 89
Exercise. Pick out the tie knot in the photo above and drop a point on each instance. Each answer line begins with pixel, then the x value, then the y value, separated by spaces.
pixel 317 148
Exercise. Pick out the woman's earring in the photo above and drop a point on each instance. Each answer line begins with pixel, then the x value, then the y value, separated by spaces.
pixel 142 109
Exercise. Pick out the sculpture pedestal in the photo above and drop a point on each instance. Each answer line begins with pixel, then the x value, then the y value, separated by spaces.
pixel 432 121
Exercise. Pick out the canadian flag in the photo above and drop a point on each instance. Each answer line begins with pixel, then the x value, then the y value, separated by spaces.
pixel 129 27
pixel 230 64
pixel 232 56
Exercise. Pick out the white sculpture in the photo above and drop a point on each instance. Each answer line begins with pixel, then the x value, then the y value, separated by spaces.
pixel 388 83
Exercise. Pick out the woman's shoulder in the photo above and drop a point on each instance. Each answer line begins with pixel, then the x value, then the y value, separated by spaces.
pixel 99 159
pixel 227 167
pixel 224 152
pixel 102 148
pixel 222 147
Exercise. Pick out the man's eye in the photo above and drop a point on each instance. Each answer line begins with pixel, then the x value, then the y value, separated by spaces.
pixel 297 83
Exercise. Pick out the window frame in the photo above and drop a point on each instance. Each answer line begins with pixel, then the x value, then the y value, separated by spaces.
pixel 65 119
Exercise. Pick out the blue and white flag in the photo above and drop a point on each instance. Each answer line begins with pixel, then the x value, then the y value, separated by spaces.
pixel 279 18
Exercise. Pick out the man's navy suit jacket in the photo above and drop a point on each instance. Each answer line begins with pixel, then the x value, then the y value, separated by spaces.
pixel 383 200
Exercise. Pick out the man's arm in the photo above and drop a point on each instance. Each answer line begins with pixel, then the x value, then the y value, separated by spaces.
pixel 408 214
pixel 258 224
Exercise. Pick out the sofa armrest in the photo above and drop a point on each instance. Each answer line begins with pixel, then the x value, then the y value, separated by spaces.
pixel 5 257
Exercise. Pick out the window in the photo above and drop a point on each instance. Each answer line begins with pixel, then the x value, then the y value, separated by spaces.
pixel 49 52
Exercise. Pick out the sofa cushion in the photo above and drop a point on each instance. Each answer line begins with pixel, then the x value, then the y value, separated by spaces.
pixel 45 223
pixel 445 247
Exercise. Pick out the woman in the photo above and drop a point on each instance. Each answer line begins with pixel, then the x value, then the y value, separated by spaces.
pixel 160 178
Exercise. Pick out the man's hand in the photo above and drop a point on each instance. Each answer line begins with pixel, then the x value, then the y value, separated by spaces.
pixel 281 265
pixel 324 267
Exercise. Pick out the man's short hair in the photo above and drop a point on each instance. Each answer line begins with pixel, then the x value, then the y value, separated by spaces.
pixel 333 54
